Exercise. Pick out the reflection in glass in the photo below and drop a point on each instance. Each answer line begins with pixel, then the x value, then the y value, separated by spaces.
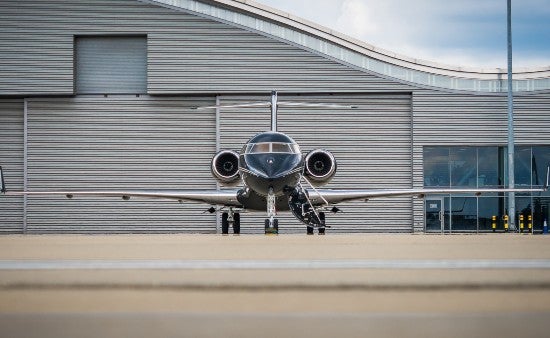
pixel 523 208
pixel 463 167
pixel 541 212
pixel 436 167
pixel 489 207
pixel 522 164
pixel 464 213
pixel 540 161
pixel 434 213
pixel 482 167
pixel 487 167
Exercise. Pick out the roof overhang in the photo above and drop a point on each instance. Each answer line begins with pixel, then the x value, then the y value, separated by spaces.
pixel 345 49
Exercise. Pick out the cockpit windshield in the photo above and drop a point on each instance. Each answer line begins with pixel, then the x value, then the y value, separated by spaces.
pixel 271 147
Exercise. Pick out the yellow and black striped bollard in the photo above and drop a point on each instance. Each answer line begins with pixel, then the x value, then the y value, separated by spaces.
pixel 520 223
pixel 505 223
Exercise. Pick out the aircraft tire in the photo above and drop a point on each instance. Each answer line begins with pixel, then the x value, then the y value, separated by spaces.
pixel 276 226
pixel 237 223
pixel 225 223
pixel 322 219
pixel 310 230
pixel 271 230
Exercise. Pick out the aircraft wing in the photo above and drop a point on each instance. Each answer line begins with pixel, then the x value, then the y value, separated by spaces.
pixel 335 196
pixel 226 197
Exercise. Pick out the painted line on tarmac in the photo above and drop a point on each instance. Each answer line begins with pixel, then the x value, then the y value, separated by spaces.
pixel 269 264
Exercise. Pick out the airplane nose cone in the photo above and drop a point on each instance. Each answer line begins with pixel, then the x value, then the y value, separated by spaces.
pixel 271 169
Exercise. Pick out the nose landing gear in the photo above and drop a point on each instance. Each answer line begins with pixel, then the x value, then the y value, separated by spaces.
pixel 271 223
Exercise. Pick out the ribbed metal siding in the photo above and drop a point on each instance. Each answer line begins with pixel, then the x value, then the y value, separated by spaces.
pixel 111 65
pixel 187 53
pixel 372 145
pixel 532 118
pixel 119 142
pixel 459 119
pixel 227 59
pixel 11 160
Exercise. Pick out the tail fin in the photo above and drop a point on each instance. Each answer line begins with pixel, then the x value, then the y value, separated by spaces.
pixel 2 184
pixel 274 105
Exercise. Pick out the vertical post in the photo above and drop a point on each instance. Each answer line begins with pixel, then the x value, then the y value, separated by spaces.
pixel 25 162
pixel 218 148
pixel 273 111
pixel 511 150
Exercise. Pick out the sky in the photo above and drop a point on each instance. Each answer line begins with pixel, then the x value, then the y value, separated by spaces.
pixel 468 33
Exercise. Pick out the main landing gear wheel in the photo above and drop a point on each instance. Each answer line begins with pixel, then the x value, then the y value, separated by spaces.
pixel 271 229
pixel 225 223
pixel 322 219
pixel 236 223
pixel 310 230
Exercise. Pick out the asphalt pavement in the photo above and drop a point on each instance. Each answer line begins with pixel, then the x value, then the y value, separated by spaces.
pixel 288 285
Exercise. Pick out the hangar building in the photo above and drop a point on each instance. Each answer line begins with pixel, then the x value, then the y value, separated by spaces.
pixel 99 94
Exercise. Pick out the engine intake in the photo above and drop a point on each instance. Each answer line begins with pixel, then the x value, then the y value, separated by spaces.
pixel 320 166
pixel 225 166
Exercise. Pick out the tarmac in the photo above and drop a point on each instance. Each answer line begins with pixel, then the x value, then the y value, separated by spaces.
pixel 377 285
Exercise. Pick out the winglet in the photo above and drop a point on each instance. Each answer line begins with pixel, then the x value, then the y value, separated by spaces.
pixel 2 184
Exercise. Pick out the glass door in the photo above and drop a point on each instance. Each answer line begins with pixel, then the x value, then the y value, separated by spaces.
pixel 434 214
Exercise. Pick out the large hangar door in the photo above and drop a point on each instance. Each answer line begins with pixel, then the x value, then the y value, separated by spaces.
pixel 118 142
pixel 11 160
pixel 372 145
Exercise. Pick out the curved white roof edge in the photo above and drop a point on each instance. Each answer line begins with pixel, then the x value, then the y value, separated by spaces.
pixel 349 50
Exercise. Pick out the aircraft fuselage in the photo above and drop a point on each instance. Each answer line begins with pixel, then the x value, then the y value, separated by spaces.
pixel 270 163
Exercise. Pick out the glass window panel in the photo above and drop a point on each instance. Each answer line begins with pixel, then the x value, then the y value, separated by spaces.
pixel 464 213
pixel 489 207
pixel 541 212
pixel 436 166
pixel 487 167
pixel 446 214
pixel 540 161
pixel 463 166
pixel 523 208
pixel 522 161
pixel 503 165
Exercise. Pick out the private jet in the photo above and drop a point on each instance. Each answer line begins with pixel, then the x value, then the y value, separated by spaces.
pixel 274 176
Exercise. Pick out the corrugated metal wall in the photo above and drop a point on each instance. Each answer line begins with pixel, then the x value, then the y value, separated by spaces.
pixel 186 53
pixel 119 142
pixel 11 160
pixel 532 119
pixel 372 145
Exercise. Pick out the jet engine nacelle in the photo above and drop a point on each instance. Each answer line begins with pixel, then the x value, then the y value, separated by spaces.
pixel 320 166
pixel 225 167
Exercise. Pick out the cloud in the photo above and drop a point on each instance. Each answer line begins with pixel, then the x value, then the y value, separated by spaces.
pixel 356 19
pixel 460 33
